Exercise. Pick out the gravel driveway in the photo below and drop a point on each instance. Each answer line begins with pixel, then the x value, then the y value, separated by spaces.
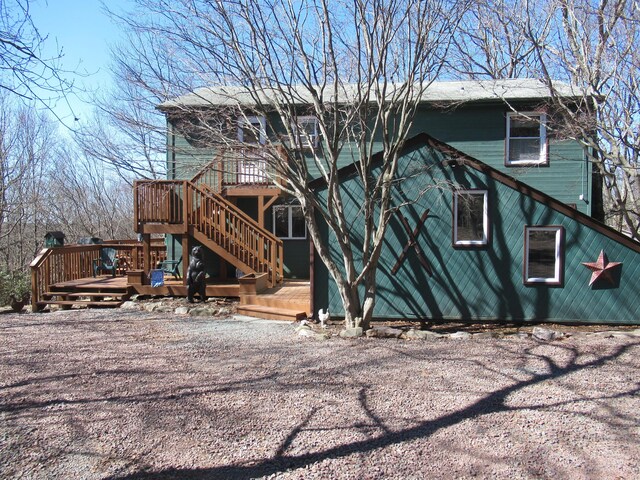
pixel 96 394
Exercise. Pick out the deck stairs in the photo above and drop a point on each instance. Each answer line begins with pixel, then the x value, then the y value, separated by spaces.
pixel 95 293
pixel 184 207
pixel 289 301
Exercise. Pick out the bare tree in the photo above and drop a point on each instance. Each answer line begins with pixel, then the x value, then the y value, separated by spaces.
pixel 595 46
pixel 491 42
pixel 126 131
pixel 358 67
pixel 27 143
pixel 87 200
pixel 590 44
pixel 25 71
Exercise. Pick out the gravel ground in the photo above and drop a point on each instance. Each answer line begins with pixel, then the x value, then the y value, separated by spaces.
pixel 95 394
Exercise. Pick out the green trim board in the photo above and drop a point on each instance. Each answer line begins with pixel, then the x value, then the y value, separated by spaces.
pixel 486 283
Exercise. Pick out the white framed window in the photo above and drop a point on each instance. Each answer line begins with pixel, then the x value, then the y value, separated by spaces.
pixel 526 142
pixel 288 222
pixel 470 218
pixel 543 255
pixel 252 130
pixel 308 130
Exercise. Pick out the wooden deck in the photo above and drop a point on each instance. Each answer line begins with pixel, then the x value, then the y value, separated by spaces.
pixel 171 287
pixel 289 301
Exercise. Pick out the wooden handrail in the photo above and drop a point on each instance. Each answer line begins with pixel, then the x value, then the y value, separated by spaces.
pixel 231 228
pixel 72 262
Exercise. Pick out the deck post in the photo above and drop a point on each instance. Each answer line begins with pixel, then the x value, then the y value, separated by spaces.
pixel 146 253
pixel 186 205
pixel 185 258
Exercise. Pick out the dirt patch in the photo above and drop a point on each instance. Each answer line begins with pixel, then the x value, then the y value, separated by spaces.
pixel 96 394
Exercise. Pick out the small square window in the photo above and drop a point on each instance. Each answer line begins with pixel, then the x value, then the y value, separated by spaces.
pixel 543 255
pixel 288 222
pixel 470 218
pixel 526 139
pixel 252 130
pixel 308 130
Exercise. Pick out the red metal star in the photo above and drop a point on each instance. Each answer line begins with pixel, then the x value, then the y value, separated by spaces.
pixel 601 269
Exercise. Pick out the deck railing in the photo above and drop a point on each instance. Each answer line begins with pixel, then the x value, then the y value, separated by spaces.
pixel 73 262
pixel 236 167
pixel 159 201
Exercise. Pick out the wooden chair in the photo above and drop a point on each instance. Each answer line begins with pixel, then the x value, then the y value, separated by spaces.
pixel 172 267
pixel 108 262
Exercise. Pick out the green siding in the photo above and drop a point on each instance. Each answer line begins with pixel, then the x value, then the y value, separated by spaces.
pixel 478 130
pixel 486 283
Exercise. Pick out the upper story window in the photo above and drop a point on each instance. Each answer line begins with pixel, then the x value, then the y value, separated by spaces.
pixel 308 130
pixel 470 218
pixel 252 130
pixel 288 222
pixel 526 139
pixel 543 255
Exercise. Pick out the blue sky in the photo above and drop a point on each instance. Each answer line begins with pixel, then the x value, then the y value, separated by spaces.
pixel 84 33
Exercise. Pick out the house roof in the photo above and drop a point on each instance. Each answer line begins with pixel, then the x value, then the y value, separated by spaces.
pixel 457 158
pixel 520 89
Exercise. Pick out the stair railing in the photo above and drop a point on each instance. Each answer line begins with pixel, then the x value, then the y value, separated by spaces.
pixel 237 233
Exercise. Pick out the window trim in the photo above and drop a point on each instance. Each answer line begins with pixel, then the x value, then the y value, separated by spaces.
pixel 543 156
pixel 289 221
pixel 305 139
pixel 243 121
pixel 558 278
pixel 485 223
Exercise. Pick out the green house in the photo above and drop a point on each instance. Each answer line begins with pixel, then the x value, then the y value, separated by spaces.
pixel 496 145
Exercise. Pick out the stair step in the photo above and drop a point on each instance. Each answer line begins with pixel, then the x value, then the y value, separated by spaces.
pixel 271 313
pixel 87 294
pixel 91 304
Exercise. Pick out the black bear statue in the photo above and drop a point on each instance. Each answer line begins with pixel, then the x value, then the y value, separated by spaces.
pixel 195 276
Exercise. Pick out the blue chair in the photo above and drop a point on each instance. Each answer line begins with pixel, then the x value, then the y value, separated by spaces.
pixel 107 262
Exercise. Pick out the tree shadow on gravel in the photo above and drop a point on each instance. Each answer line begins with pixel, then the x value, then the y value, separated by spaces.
pixel 492 403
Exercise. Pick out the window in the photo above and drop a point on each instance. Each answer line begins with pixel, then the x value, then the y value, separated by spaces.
pixel 252 130
pixel 307 128
pixel 526 139
pixel 288 222
pixel 470 218
pixel 543 255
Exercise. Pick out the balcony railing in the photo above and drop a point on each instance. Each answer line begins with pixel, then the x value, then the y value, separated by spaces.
pixel 235 167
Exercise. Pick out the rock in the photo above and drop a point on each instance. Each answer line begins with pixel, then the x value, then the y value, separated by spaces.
pixel 384 332
pixel 130 305
pixel 307 332
pixel 483 335
pixel 351 332
pixel 182 310
pixel 545 334
pixel 460 336
pixel 421 335
pixel 203 312
pixel 152 307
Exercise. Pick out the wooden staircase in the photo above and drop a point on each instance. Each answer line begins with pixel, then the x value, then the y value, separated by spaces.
pixel 289 301
pixel 182 207
pixel 99 292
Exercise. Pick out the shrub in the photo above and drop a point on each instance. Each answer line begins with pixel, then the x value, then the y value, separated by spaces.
pixel 17 283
